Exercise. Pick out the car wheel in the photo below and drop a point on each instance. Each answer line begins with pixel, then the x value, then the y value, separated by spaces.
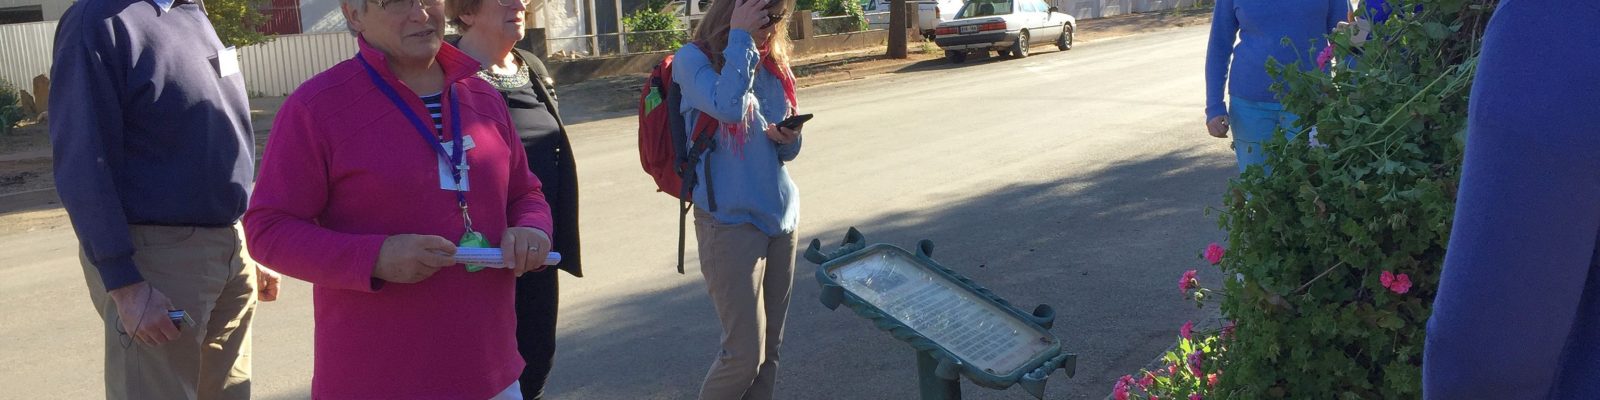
pixel 1065 41
pixel 955 57
pixel 1020 48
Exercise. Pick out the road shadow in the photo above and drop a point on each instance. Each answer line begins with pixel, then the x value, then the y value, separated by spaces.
pixel 1105 248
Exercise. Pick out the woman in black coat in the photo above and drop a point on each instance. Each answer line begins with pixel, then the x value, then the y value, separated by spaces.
pixel 489 31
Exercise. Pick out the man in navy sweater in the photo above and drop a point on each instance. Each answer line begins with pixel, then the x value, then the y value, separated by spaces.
pixel 153 160
pixel 1518 310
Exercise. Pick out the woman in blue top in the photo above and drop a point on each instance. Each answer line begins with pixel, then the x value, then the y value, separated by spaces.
pixel 1260 27
pixel 746 231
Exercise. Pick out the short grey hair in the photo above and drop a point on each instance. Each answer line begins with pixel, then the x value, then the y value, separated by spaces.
pixel 359 5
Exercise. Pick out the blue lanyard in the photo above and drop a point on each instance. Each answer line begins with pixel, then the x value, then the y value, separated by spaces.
pixel 456 159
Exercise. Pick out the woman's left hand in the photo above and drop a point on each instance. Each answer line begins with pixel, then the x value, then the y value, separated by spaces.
pixel 782 135
pixel 525 249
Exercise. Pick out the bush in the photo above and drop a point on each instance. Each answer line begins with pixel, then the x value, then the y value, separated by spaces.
pixel 10 107
pixel 660 31
pixel 1193 368
pixel 855 19
pixel 1337 252
pixel 235 21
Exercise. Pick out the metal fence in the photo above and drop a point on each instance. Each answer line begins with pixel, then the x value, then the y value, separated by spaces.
pixel 1083 9
pixel 276 68
pixel 615 44
pixel 25 52
pixel 846 24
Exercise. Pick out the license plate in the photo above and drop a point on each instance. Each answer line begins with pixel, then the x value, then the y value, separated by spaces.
pixel 969 29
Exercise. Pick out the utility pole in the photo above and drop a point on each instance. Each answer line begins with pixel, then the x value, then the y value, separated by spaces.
pixel 897 29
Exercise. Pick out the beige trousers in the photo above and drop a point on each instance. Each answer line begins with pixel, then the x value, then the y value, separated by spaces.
pixel 203 272
pixel 749 276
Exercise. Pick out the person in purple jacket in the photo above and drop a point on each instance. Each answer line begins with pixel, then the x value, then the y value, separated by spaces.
pixel 1518 310
pixel 1244 34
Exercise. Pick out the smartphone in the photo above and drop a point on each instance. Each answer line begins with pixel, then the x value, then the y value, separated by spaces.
pixel 179 318
pixel 795 122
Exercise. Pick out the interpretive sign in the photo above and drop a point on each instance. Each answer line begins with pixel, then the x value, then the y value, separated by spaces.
pixel 948 319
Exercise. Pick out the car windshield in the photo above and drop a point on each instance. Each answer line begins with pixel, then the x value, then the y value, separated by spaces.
pixel 984 8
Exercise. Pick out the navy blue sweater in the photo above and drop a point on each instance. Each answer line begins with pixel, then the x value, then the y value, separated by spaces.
pixel 1518 310
pixel 145 128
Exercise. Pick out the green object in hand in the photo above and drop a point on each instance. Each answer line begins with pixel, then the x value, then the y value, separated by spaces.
pixel 473 239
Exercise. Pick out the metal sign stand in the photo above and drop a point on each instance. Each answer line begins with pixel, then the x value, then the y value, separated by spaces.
pixel 957 327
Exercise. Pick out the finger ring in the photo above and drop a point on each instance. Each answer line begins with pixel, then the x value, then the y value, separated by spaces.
pixel 533 248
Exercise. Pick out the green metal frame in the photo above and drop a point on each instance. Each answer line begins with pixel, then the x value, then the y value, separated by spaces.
pixel 932 358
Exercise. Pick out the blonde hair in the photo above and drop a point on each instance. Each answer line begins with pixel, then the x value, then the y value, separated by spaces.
pixel 714 28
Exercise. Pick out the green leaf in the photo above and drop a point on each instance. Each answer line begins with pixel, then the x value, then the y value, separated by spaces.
pixel 1435 30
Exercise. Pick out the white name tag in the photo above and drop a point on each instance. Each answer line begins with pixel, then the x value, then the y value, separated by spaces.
pixel 446 180
pixel 227 62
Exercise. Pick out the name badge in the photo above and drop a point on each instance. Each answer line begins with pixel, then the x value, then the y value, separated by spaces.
pixel 227 62
pixel 446 181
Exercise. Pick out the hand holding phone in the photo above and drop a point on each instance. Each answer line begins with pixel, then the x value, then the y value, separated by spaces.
pixel 787 131
pixel 794 123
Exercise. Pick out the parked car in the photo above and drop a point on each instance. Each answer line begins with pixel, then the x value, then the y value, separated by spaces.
pixel 1006 26
pixel 877 13
pixel 931 13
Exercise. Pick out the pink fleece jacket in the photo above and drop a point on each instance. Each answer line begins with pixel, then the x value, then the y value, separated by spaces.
pixel 343 170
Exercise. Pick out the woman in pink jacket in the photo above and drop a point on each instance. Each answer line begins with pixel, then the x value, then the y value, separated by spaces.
pixel 376 171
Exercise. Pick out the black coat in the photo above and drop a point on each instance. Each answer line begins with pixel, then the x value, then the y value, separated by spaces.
pixel 564 199
pixel 561 187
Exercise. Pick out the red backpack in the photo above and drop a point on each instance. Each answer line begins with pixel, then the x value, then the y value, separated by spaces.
pixel 664 147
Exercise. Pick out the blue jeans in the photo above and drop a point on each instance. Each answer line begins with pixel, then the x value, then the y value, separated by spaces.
pixel 1254 123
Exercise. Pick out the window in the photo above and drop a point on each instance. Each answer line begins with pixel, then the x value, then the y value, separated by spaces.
pixel 17 15
pixel 984 8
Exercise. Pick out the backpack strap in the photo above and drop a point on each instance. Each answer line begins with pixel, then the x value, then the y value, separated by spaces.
pixel 704 140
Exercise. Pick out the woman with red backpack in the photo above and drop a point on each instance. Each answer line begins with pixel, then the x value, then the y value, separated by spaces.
pixel 746 207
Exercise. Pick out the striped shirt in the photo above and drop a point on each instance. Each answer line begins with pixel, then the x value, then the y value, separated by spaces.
pixel 435 104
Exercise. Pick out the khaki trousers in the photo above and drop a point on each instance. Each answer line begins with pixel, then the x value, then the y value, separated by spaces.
pixel 749 276
pixel 203 272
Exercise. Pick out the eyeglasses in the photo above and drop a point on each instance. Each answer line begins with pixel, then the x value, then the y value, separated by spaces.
pixel 404 6
pixel 509 3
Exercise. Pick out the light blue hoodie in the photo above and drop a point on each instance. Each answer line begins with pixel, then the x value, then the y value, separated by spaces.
pixel 749 179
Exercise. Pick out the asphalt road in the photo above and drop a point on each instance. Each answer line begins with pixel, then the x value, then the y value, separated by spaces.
pixel 1078 179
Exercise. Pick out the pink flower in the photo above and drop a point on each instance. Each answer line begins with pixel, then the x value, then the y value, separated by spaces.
pixel 1214 253
pixel 1194 363
pixel 1187 281
pixel 1195 396
pixel 1211 380
pixel 1172 369
pixel 1153 397
pixel 1120 391
pixel 1400 284
pixel 1324 56
pixel 1147 380
pixel 1227 330
pixel 1188 328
